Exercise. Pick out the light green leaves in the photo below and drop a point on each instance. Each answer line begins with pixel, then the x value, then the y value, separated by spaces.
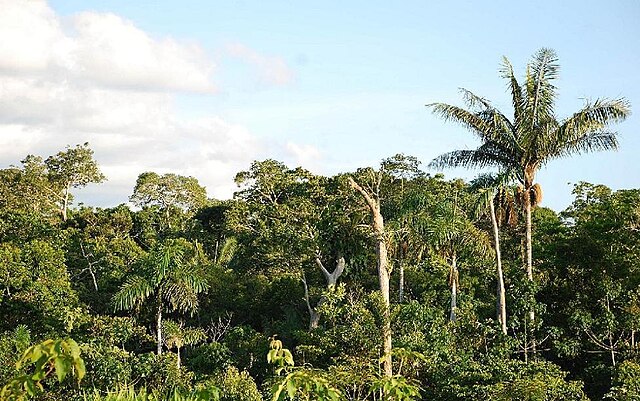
pixel 63 356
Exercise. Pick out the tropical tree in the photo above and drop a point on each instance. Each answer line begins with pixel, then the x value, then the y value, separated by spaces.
pixel 72 168
pixel 446 229
pixel 371 195
pixel 44 186
pixel 177 336
pixel 172 276
pixel 168 192
pixel 534 136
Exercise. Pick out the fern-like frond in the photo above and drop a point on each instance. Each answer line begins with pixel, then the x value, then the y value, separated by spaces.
pixel 134 291
pixel 461 116
pixel 517 96
pixel 541 92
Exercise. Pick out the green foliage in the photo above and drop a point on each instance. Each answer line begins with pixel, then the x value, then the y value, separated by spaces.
pixel 61 356
pixel 248 254
pixel 130 394
pixel 12 346
pixel 208 359
pixel 301 383
pixel 107 366
pixel 168 190
pixel 397 388
pixel 36 288
pixel 159 372
pixel 236 385
pixel 177 336
pixel 169 198
pixel 116 331
pixel 626 382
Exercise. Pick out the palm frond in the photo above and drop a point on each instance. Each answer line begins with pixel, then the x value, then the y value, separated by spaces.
pixel 517 97
pixel 591 118
pixel 474 101
pixel 227 252
pixel 489 186
pixel 134 291
pixel 180 296
pixel 485 156
pixel 592 142
pixel 541 92
pixel 464 117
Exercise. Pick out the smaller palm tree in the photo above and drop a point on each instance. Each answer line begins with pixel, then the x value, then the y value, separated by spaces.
pixel 171 278
pixel 496 196
pixel 177 336
pixel 444 228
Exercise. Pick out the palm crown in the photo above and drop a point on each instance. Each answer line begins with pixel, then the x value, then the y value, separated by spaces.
pixel 534 136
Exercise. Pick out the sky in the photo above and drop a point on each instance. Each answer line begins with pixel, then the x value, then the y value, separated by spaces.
pixel 203 88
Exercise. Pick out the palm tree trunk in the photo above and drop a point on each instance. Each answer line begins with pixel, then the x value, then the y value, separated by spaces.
pixel 454 288
pixel 159 328
pixel 501 307
pixel 528 207
pixel 401 284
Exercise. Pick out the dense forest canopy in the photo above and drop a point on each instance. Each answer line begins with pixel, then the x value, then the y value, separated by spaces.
pixel 384 283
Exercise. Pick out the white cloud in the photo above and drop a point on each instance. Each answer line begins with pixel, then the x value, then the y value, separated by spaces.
pixel 30 34
pixel 304 155
pixel 272 70
pixel 96 49
pixel 112 51
pixel 99 78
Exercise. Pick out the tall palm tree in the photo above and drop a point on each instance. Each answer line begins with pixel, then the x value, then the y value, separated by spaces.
pixel 171 276
pixel 494 189
pixel 534 136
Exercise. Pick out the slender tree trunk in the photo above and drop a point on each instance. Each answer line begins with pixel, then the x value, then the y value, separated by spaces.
pixel 93 277
pixel 529 245
pixel 331 278
pixel 65 203
pixel 383 277
pixel 373 201
pixel 401 284
pixel 166 213
pixel 179 360
pixel 454 288
pixel 611 347
pixel 159 328
pixel 527 208
pixel 314 316
pixel 501 304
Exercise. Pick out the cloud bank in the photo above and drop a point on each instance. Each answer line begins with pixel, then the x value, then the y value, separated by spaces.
pixel 97 77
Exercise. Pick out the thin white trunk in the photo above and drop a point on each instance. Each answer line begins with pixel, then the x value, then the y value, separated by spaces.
pixel 373 201
pixel 454 288
pixel 527 206
pixel 401 284
pixel 65 203
pixel 501 304
pixel 159 328
pixel 529 249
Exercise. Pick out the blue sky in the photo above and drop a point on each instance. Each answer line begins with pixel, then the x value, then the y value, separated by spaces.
pixel 329 85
